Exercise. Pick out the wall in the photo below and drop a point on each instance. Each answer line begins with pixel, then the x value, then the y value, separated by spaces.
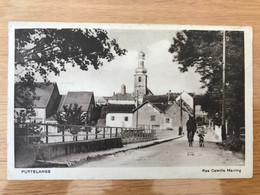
pixel 164 124
pixel 119 120
pixel 52 129
pixel 128 102
pixel 40 114
pixel 140 87
pixel 135 137
pixel 144 117
pixel 175 114
pixel 49 151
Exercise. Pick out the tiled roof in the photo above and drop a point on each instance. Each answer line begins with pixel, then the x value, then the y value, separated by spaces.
pixel 118 108
pixel 160 98
pixel 185 107
pixel 120 96
pixel 82 99
pixel 107 98
pixel 149 92
pixel 100 100
pixel 159 107
pixel 43 92
pixel 61 102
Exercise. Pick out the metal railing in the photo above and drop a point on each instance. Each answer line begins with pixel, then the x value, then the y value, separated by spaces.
pixel 37 133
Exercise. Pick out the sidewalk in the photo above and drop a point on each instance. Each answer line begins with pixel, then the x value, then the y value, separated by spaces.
pixel 210 136
pixel 77 159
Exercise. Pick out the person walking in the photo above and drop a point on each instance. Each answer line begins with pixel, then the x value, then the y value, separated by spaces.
pixel 191 127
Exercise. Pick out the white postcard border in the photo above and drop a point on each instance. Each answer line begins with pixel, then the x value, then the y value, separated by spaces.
pixel 132 172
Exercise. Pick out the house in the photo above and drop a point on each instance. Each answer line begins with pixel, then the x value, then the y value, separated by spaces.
pixel 119 115
pixel 176 117
pixel 160 116
pixel 100 101
pixel 149 115
pixel 201 115
pixel 187 98
pixel 122 98
pixel 102 117
pixel 45 100
pixel 165 99
pixel 83 99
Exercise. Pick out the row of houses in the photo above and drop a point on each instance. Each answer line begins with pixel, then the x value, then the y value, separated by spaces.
pixel 148 115
pixel 140 109
pixel 119 110
pixel 47 101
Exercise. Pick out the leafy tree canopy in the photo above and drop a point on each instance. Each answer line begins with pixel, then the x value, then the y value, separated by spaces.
pixel 72 115
pixel 204 51
pixel 45 51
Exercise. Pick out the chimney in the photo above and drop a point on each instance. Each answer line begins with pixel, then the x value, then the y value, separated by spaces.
pixel 169 96
pixel 114 93
pixel 123 90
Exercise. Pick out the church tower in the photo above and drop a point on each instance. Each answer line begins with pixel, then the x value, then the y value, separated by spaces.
pixel 140 84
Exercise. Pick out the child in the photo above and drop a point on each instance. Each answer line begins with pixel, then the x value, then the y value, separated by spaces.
pixel 201 135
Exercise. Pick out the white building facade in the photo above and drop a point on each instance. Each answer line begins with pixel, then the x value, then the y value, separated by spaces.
pixel 119 115
pixel 119 120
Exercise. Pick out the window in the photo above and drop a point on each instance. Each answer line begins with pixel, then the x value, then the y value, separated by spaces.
pixel 152 117
pixel 167 120
pixel 112 118
pixel 139 79
pixel 126 118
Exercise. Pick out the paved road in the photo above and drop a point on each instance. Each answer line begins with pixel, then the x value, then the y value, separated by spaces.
pixel 172 153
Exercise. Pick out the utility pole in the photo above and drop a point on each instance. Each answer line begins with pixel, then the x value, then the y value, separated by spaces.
pixel 136 125
pixel 223 119
pixel 194 106
pixel 181 126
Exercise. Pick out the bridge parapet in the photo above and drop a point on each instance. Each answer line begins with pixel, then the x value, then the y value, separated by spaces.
pixel 48 141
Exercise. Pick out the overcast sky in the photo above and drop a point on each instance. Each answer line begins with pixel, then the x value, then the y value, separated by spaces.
pixel 163 73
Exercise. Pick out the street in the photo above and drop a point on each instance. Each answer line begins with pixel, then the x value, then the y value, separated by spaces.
pixel 170 154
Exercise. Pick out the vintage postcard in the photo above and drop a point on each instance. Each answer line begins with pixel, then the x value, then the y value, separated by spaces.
pixel 129 101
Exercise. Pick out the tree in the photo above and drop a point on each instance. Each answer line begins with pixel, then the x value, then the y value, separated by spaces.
pixel 45 51
pixel 203 50
pixel 72 115
pixel 40 52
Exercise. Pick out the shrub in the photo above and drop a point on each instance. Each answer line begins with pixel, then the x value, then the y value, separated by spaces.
pixel 233 143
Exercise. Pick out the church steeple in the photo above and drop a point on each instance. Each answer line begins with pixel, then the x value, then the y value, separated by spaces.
pixel 140 68
pixel 140 87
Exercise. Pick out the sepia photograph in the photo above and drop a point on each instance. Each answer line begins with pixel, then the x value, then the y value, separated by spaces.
pixel 129 101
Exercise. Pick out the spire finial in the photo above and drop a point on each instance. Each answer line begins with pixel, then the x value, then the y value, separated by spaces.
pixel 140 68
pixel 141 55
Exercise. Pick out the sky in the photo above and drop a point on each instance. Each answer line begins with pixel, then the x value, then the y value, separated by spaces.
pixel 163 74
